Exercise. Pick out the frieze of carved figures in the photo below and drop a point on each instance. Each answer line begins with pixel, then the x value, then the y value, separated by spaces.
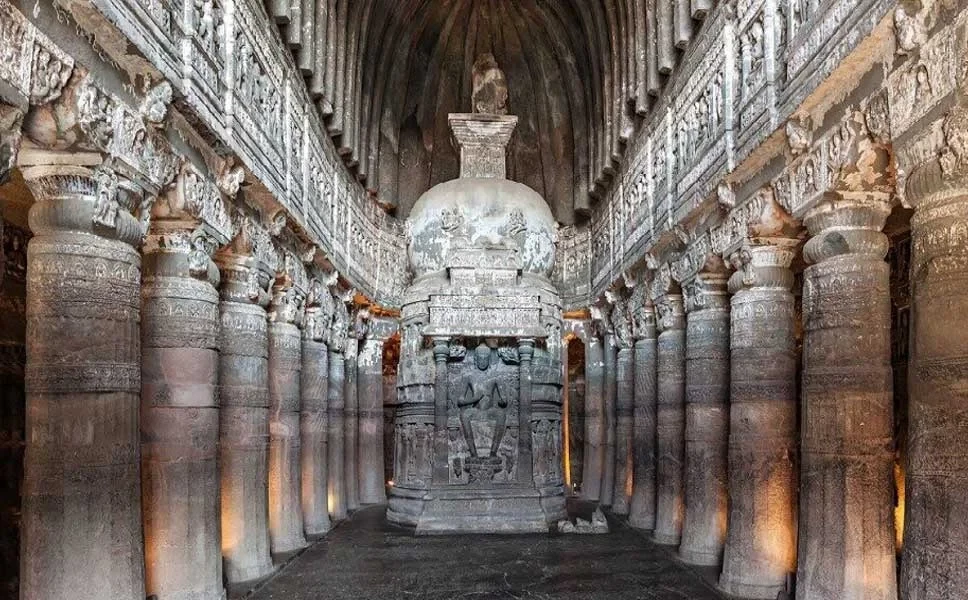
pixel 11 118
pixel 29 61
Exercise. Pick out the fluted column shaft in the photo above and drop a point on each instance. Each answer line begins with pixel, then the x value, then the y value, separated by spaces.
pixel 670 419
pixel 370 386
pixel 611 394
pixel 337 426
pixel 642 512
pixel 180 419
pixel 285 482
pixel 351 429
pixel 761 542
pixel 244 418
pixel 707 421
pixel 81 528
pixel 936 491
pixel 624 400
pixel 594 455
pixel 313 427
pixel 846 547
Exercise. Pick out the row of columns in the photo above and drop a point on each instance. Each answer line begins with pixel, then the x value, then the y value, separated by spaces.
pixel 717 468
pixel 179 433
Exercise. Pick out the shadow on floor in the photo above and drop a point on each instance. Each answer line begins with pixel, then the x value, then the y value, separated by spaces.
pixel 365 558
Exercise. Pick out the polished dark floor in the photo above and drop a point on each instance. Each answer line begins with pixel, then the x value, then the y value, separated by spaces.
pixel 366 559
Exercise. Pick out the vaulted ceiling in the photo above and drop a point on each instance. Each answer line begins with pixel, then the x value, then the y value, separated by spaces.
pixel 580 74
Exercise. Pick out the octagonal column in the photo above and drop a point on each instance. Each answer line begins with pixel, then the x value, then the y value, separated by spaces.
pixel 642 511
pixel 351 423
pixel 81 528
pixel 247 267
pixel 761 542
pixel 285 366
pixel 594 455
pixel 624 399
pixel 179 395
pixel 707 417
pixel 314 420
pixel 846 547
pixel 337 426
pixel 611 394
pixel 936 501
pixel 370 388
pixel 670 418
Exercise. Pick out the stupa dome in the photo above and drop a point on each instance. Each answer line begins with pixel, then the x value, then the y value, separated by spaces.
pixel 481 213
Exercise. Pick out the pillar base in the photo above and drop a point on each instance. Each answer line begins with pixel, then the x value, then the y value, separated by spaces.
pixel 665 539
pixel 700 559
pixel 751 591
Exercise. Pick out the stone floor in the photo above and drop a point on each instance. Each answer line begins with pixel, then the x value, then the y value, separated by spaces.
pixel 368 560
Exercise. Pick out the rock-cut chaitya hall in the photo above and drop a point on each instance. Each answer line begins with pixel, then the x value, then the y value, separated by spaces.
pixel 484 299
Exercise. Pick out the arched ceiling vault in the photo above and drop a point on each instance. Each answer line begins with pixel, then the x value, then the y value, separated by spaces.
pixel 580 72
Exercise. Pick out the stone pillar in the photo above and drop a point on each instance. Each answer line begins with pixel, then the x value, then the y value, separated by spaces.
pixel 314 420
pixel 594 455
pixel 707 417
pixel 526 444
pixel 611 393
pixel 846 546
pixel 761 542
pixel 370 388
pixel 624 399
pixel 180 401
pixel 670 418
pixel 83 385
pixel 936 501
pixel 441 470
pixel 285 365
pixel 339 328
pixel 642 511
pixel 351 426
pixel 247 267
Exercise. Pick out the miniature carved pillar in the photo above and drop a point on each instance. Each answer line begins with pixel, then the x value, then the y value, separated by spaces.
pixel 707 418
pixel 611 392
pixel 351 424
pixel 642 512
pixel 670 419
pixel 624 399
pixel 314 420
pixel 370 385
pixel 83 385
pixel 846 522
pixel 285 365
pixel 761 542
pixel 936 520
pixel 244 398
pixel 441 473
pixel 337 483
pixel 180 412
pixel 526 447
pixel 594 455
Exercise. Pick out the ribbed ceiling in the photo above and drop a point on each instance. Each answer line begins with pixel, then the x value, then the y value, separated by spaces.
pixel 388 72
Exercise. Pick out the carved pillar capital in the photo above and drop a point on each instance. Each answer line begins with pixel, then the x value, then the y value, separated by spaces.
pixel 763 265
pixel 670 312
pixel 707 289
pixel 944 174
pixel 289 289
pixel 247 264
pixel 83 199
pixel 619 318
pixel 847 223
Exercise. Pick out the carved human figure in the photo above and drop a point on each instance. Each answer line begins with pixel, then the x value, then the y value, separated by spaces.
pixel 480 390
